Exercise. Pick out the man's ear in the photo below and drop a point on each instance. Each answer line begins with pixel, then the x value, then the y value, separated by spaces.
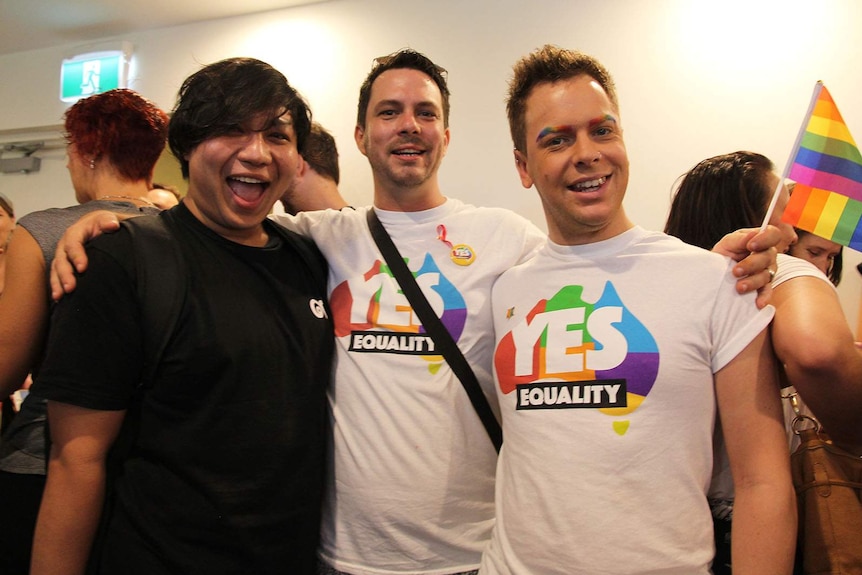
pixel 521 165
pixel 359 136
pixel 302 167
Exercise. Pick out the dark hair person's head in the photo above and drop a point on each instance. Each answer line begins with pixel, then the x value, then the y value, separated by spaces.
pixel 321 153
pixel 222 96
pixel 720 195
pixel 403 59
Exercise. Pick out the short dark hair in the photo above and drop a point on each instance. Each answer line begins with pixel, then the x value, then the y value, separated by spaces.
pixel 547 65
pixel 122 126
pixel 321 153
pixel 221 96
pixel 403 59
pixel 719 195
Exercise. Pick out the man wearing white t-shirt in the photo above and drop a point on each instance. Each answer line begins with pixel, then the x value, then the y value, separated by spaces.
pixel 411 485
pixel 617 349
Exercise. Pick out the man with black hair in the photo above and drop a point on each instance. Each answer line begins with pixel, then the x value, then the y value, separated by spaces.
pixel 225 467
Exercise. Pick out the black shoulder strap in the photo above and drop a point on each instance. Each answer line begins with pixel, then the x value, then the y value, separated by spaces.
pixel 435 328
pixel 161 285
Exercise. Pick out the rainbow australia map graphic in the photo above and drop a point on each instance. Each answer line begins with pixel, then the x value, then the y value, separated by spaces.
pixel 375 314
pixel 568 353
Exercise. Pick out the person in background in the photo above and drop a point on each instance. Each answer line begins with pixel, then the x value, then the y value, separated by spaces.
pixel 810 336
pixel 616 350
pixel 810 333
pixel 825 255
pixel 113 142
pixel 411 487
pixel 164 196
pixel 316 186
pixel 7 224
pixel 225 472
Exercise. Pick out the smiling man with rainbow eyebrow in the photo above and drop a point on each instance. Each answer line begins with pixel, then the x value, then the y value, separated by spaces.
pixel 617 349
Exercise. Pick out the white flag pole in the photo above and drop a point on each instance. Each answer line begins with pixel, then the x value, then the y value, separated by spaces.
pixel 817 87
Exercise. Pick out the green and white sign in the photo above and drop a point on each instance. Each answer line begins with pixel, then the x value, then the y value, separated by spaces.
pixel 92 73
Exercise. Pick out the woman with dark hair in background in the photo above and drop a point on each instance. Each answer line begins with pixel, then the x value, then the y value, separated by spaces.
pixel 826 255
pixel 810 335
pixel 810 332
pixel 113 142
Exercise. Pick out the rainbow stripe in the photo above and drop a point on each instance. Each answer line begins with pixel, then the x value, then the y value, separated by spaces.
pixel 827 169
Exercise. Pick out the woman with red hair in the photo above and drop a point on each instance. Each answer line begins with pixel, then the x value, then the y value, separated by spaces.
pixel 113 142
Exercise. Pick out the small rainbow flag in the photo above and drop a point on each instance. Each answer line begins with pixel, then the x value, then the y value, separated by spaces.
pixel 827 168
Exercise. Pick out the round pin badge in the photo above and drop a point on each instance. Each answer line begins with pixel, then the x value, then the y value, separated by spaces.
pixel 462 254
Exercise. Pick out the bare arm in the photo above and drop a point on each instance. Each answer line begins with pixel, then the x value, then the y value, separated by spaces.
pixel 764 511
pixel 71 255
pixel 755 251
pixel 75 488
pixel 813 341
pixel 23 311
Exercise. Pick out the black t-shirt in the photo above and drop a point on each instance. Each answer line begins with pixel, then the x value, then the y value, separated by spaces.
pixel 227 469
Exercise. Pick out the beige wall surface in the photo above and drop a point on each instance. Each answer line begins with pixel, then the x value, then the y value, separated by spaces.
pixel 695 79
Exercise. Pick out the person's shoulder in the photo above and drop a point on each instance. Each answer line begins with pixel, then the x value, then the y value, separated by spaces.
pixel 322 225
pixel 490 213
pixel 118 243
pixel 293 240
pixel 790 267
pixel 275 225
pixel 502 221
pixel 50 216
pixel 662 242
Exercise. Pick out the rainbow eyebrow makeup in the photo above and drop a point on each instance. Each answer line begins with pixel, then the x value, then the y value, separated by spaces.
pixel 568 128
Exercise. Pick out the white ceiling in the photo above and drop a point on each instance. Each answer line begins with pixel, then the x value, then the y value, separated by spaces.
pixel 32 24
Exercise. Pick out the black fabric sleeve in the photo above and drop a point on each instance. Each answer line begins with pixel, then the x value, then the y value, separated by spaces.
pixel 94 353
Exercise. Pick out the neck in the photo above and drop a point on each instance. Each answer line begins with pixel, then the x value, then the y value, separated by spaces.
pixel 408 199
pixel 581 235
pixel 106 182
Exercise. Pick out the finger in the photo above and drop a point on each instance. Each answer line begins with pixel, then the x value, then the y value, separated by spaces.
pixel 76 253
pixel 755 263
pixel 754 282
pixel 766 239
pixel 62 275
pixel 764 295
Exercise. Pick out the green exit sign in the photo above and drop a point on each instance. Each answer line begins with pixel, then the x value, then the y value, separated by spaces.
pixel 87 74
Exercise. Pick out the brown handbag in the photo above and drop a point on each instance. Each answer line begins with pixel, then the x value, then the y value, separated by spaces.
pixel 828 482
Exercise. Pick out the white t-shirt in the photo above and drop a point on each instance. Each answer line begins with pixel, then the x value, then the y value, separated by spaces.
pixel 412 482
pixel 604 367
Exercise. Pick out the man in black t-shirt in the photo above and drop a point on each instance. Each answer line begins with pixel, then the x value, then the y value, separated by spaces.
pixel 225 469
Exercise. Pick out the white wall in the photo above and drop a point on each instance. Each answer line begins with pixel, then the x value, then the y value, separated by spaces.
pixel 695 79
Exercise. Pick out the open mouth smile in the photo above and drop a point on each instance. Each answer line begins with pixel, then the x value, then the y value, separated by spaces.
pixel 247 188
pixel 589 185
